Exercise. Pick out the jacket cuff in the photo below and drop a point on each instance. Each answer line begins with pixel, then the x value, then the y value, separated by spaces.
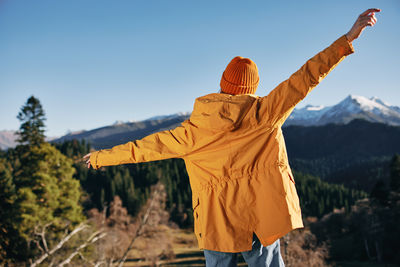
pixel 93 160
pixel 345 47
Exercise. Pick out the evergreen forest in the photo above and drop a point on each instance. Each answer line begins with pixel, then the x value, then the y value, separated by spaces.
pixel 47 187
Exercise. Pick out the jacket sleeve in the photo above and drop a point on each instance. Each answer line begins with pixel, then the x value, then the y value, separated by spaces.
pixel 174 143
pixel 276 107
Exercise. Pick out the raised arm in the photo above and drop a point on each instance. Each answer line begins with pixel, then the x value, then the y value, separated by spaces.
pixel 278 105
pixel 174 143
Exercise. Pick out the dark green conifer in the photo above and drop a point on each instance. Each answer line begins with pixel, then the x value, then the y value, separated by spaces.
pixel 32 119
pixel 395 173
pixel 45 192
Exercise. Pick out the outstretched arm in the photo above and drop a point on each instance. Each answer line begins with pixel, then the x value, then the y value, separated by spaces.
pixel 174 143
pixel 278 105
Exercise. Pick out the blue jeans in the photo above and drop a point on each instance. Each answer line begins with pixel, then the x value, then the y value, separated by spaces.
pixel 259 256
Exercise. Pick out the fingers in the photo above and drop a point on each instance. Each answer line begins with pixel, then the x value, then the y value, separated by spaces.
pixel 88 164
pixel 373 17
pixel 369 20
pixel 366 12
pixel 87 156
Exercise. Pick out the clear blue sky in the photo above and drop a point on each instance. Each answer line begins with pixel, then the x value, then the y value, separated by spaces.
pixel 94 62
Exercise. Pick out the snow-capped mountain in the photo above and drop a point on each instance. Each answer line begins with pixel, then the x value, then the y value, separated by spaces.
pixel 163 117
pixel 352 107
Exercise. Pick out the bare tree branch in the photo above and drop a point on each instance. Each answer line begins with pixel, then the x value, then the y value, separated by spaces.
pixel 39 246
pixel 97 264
pixel 42 235
pixel 84 259
pixel 92 239
pixel 59 244
pixel 139 230
pixel 52 262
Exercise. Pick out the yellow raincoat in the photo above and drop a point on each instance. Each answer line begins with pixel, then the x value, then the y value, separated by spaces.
pixel 236 159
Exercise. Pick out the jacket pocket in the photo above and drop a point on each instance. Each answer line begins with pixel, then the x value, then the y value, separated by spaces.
pixel 291 191
pixel 197 217
pixel 289 187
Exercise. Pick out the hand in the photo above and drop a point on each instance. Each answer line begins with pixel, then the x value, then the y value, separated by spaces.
pixel 87 158
pixel 367 18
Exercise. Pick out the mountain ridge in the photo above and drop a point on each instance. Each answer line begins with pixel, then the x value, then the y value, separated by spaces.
pixel 352 107
pixel 117 133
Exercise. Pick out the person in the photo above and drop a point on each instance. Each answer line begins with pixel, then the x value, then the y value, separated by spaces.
pixel 243 190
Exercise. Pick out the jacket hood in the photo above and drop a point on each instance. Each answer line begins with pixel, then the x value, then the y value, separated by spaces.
pixel 221 112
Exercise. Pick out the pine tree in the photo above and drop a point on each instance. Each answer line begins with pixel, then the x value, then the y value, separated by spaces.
pixel 45 191
pixel 379 192
pixel 51 196
pixel 392 216
pixel 32 119
pixel 395 173
pixel 7 190
pixel 8 237
pixel 102 200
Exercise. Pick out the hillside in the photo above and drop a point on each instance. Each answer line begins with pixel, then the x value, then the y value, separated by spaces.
pixel 118 133
pixel 349 109
pixel 349 154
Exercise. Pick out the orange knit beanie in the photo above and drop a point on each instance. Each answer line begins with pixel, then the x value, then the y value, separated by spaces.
pixel 240 77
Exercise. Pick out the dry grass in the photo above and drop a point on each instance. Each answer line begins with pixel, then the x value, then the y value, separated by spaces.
pixel 299 248
pixel 161 246
pixel 159 243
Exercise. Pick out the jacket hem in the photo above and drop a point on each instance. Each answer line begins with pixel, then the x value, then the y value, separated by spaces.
pixel 264 242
